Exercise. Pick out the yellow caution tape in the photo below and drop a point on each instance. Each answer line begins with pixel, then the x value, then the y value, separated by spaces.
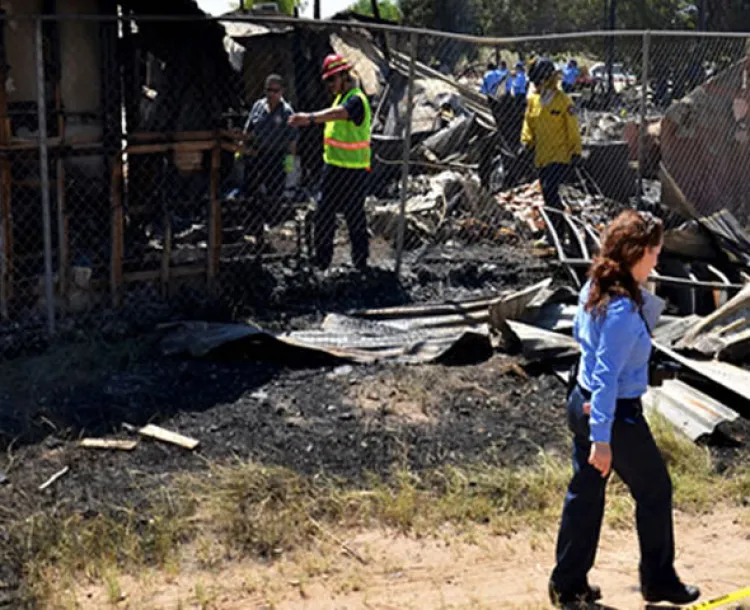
pixel 720 601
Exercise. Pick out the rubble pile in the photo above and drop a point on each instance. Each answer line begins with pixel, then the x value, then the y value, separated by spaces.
pixel 448 206
pixel 452 206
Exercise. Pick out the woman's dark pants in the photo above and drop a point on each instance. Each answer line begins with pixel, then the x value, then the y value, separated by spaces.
pixel 638 462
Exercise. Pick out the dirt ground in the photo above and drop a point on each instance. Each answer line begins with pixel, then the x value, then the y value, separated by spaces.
pixel 443 572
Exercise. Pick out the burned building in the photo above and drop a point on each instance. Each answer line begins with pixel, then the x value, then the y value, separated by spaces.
pixel 705 144
pixel 118 90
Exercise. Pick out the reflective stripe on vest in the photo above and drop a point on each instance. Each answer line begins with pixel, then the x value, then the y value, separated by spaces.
pixel 346 144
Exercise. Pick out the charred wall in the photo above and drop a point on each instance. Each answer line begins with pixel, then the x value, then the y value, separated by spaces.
pixel 706 144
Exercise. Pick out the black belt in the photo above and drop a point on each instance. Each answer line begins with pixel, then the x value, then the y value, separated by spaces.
pixel 625 408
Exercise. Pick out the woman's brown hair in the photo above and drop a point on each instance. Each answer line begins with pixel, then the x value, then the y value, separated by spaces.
pixel 624 243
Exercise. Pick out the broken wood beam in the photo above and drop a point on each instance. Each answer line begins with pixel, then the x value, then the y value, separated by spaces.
pixel 177 136
pixel 103 443
pixel 32 145
pixel 55 477
pixel 187 146
pixel 168 436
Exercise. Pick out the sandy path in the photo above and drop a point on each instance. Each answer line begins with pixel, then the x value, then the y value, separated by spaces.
pixel 447 572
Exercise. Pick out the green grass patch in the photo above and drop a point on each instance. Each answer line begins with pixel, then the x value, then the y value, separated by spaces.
pixel 250 509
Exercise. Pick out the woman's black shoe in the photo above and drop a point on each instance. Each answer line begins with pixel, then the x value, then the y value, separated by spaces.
pixel 562 599
pixel 675 594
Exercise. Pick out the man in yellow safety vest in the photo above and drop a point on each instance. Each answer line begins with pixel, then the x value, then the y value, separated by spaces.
pixel 347 157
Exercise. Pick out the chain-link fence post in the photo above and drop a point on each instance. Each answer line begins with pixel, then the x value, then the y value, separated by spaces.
pixel 413 47
pixel 644 109
pixel 49 293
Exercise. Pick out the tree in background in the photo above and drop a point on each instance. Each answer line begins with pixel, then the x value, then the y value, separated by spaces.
pixel 388 9
pixel 286 7
pixel 529 17
pixel 458 16
pixel 446 15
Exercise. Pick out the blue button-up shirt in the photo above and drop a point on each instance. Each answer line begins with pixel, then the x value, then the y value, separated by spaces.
pixel 570 75
pixel 492 79
pixel 517 84
pixel 271 128
pixel 615 350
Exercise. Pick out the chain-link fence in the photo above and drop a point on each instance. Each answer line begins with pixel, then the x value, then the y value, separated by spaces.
pixel 162 166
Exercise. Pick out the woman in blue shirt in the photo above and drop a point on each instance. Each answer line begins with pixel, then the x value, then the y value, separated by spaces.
pixel 606 418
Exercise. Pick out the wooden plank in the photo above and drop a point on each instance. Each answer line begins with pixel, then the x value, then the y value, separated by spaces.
pixel 214 221
pixel 117 237
pixel 103 443
pixel 178 136
pixel 58 475
pixel 167 436
pixel 31 145
pixel 145 149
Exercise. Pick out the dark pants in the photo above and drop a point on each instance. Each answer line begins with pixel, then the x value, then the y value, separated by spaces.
pixel 551 177
pixel 341 191
pixel 638 462
pixel 264 185
pixel 265 176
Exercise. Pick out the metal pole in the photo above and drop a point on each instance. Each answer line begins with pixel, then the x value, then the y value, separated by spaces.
pixel 413 42
pixel 644 109
pixel 611 48
pixel 49 291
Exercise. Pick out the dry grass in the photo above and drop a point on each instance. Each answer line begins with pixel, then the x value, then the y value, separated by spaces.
pixel 249 509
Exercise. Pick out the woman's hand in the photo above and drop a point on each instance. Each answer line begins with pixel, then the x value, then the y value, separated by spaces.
pixel 600 457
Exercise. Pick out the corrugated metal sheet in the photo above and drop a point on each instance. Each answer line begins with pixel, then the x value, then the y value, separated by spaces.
pixel 342 337
pixel 411 334
pixel 734 240
pixel 727 375
pixel 724 332
pixel 688 409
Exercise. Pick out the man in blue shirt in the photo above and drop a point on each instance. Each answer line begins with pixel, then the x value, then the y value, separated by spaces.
pixel 570 76
pixel 271 146
pixel 491 80
pixel 517 85
pixel 270 140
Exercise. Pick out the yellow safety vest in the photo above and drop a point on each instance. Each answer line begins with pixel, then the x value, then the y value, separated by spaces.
pixel 346 144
